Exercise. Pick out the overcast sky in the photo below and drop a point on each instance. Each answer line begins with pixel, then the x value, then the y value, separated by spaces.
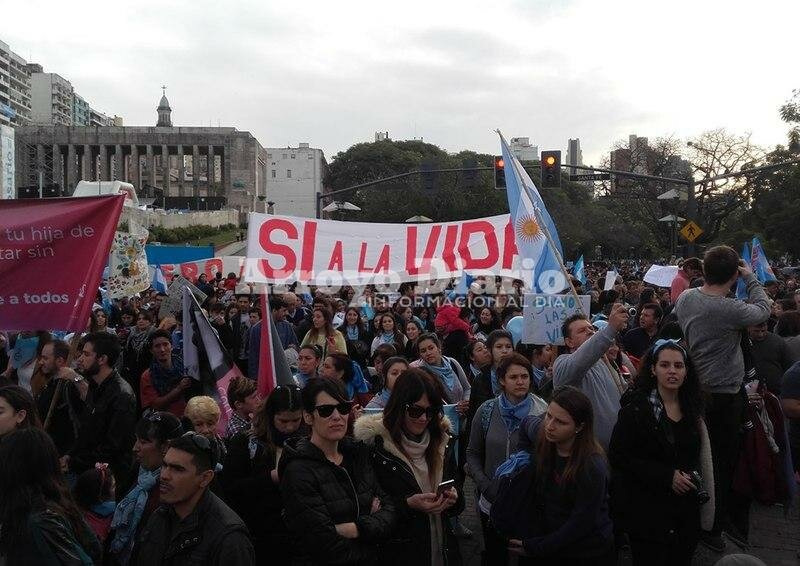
pixel 333 73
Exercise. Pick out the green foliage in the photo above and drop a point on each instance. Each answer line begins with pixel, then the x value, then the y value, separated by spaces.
pixel 582 221
pixel 185 234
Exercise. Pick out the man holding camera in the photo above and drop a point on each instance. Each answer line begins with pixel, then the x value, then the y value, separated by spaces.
pixel 586 367
pixel 713 326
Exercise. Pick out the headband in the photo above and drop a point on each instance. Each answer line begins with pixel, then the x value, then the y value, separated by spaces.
pixel 662 342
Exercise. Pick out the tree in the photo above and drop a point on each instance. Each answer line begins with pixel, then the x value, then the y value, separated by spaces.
pixel 715 153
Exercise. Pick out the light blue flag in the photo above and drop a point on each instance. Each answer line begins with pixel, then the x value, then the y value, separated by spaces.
pixel 760 263
pixel 578 271
pixel 463 285
pixel 541 266
pixel 741 287
pixel 159 283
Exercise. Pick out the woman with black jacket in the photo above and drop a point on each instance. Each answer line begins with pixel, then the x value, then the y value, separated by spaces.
pixel 334 507
pixel 251 474
pixel 412 454
pixel 659 453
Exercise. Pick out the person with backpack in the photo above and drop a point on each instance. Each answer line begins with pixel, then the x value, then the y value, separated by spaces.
pixel 566 518
pixel 494 434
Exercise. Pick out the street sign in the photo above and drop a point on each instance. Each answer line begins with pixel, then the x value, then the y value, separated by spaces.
pixel 591 177
pixel 691 231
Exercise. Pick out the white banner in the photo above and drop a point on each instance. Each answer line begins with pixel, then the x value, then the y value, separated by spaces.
pixel 543 316
pixel 211 266
pixel 7 182
pixel 284 249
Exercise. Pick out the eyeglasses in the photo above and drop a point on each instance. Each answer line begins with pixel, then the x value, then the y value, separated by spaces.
pixel 415 411
pixel 326 411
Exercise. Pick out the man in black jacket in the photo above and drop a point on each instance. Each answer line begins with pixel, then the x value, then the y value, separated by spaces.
pixel 108 419
pixel 192 525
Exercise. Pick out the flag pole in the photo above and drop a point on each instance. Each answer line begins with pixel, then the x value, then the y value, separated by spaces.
pixel 543 226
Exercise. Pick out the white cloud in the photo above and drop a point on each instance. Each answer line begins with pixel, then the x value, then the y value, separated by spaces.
pixel 332 73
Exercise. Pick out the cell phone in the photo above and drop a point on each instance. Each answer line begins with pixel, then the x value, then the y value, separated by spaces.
pixel 444 486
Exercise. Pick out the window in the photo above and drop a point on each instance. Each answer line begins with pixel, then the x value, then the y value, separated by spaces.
pixel 269 156
pixel 293 156
pixel 288 173
pixel 274 173
pixel 311 156
pixel 285 156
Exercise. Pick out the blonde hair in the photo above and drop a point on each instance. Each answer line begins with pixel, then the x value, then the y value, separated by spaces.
pixel 202 408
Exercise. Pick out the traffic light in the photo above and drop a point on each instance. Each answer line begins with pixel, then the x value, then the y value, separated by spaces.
pixel 499 172
pixel 428 176
pixel 551 169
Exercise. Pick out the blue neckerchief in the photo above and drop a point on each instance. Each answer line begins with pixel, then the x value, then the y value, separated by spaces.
pixel 538 376
pixel 495 382
pixel 444 371
pixel 129 513
pixel 516 461
pixel 352 332
pixel 512 415
pixel 387 338
pixel 302 378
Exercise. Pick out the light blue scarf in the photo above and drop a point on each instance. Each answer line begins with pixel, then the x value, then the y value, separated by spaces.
pixel 495 382
pixel 358 384
pixel 129 513
pixel 512 415
pixel 538 376
pixel 381 399
pixel 386 338
pixel 444 371
pixel 352 332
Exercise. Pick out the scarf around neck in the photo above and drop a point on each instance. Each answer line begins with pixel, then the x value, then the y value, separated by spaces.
pixel 511 414
pixel 129 513
pixel 445 372
pixel 352 332
pixel 495 381
pixel 164 379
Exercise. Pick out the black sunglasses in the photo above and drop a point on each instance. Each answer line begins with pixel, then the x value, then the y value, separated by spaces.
pixel 416 412
pixel 326 411
pixel 203 444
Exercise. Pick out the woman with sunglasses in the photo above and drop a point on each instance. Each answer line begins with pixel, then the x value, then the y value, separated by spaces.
pixel 412 455
pixel 661 460
pixel 251 473
pixel 334 507
pixel 153 433
pixel 493 437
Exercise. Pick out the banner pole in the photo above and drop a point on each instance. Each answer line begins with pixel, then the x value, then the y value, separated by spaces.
pixel 546 231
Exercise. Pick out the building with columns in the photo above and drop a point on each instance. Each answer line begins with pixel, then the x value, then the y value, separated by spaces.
pixel 161 160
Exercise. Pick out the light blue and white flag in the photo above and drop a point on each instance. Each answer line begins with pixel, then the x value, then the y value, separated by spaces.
pixel 578 271
pixel 159 283
pixel 463 284
pixel 541 265
pixel 760 263
pixel 741 287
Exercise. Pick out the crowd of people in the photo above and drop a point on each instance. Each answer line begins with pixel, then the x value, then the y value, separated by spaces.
pixel 663 416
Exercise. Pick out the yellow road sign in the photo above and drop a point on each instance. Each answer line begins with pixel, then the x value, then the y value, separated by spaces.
pixel 691 231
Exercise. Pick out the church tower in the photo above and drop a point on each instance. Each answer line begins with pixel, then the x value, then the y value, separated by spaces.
pixel 164 111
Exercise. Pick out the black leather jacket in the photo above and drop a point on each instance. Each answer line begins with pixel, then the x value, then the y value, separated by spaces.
pixel 210 535
pixel 106 431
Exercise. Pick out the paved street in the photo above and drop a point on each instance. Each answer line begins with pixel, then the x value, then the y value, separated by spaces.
pixel 775 538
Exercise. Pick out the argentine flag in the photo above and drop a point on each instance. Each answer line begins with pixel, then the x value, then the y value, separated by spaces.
pixel 578 271
pixel 541 264
pixel 760 263
pixel 159 283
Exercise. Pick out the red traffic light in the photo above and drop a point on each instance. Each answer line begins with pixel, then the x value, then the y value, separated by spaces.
pixel 498 162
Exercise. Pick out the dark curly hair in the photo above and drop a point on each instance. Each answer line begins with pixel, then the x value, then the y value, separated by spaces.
pixel 690 395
